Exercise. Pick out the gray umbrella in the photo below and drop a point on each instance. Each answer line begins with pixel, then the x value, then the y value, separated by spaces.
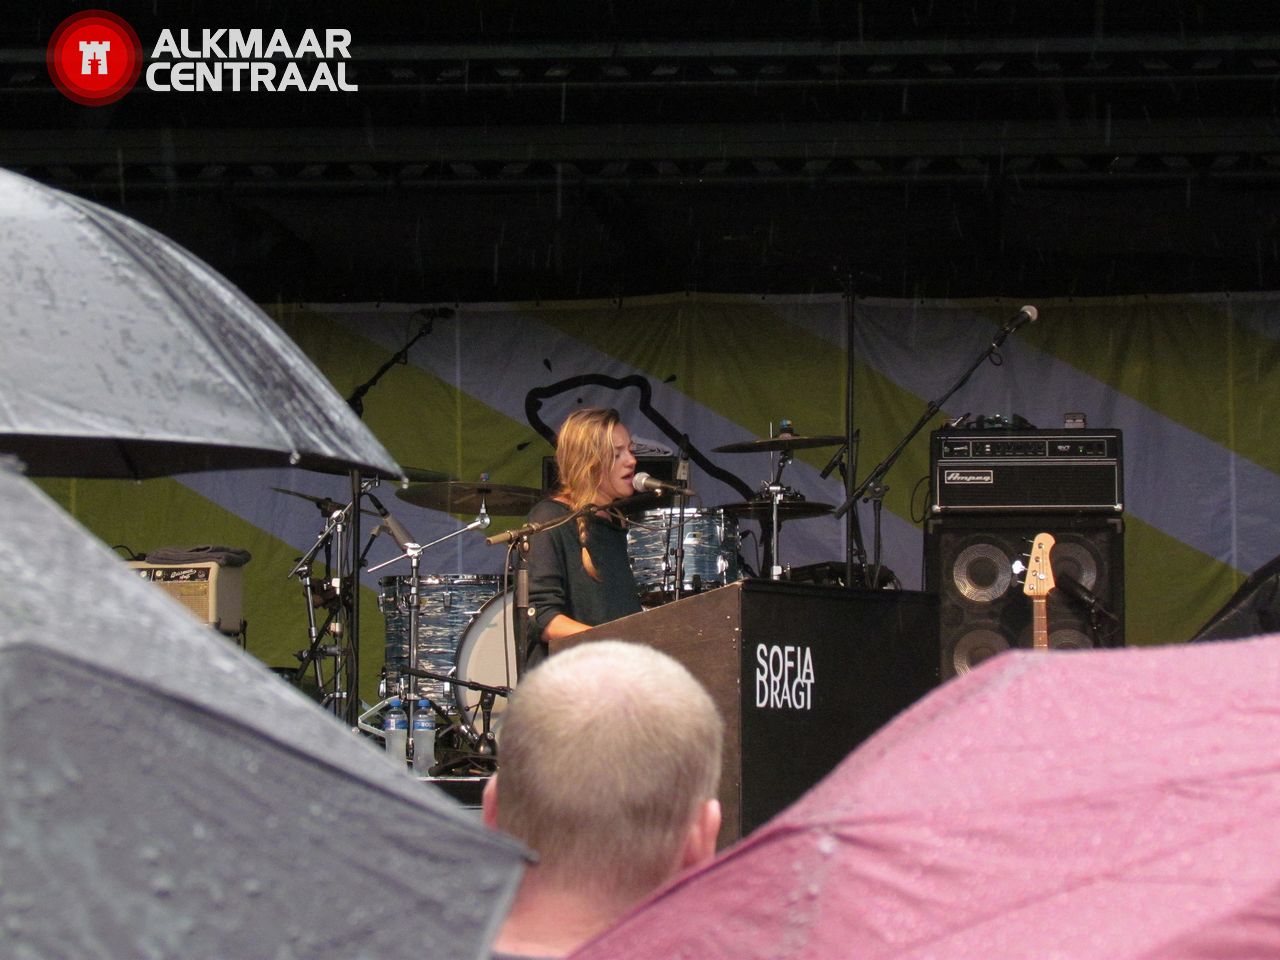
pixel 163 794
pixel 125 356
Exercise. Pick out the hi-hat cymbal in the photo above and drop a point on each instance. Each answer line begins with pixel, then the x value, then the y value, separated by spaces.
pixel 421 475
pixel 326 505
pixel 762 509
pixel 460 496
pixel 785 442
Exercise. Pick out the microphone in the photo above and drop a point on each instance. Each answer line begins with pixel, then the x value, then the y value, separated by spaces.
pixel 519 533
pixel 647 484
pixel 835 459
pixel 1025 315
pixel 1083 595
pixel 399 534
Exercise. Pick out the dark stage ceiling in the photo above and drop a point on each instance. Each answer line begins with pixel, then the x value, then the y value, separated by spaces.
pixel 513 151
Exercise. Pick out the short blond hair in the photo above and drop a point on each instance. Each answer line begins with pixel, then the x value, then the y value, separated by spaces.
pixel 606 756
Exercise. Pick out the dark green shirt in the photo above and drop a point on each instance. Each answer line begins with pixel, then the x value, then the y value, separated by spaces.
pixel 559 584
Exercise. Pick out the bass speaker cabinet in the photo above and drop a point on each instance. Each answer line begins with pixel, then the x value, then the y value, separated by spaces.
pixel 970 564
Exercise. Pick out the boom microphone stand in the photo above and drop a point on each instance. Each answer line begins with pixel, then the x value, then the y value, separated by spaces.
pixel 356 403
pixel 873 488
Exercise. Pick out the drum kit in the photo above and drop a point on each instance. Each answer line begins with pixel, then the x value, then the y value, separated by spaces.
pixel 450 638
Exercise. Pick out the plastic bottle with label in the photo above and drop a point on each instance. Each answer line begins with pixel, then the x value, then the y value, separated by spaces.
pixel 395 732
pixel 424 738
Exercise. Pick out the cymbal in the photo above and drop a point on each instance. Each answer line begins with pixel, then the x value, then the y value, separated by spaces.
pixel 460 496
pixel 762 509
pixel 785 442
pixel 324 503
pixel 420 475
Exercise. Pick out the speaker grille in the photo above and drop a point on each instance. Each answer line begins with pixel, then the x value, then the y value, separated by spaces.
pixel 982 609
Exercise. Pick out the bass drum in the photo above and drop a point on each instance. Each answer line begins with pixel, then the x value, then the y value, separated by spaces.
pixel 486 654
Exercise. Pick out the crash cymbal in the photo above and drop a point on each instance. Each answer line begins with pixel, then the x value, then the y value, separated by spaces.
pixel 460 496
pixel 762 510
pixel 785 442
pixel 420 475
pixel 326 505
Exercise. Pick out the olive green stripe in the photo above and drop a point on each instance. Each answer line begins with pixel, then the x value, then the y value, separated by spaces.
pixel 1183 358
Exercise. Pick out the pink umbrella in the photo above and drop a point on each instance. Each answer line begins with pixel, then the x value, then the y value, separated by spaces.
pixel 1101 804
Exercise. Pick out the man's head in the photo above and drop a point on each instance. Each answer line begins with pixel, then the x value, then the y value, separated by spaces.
pixel 609 761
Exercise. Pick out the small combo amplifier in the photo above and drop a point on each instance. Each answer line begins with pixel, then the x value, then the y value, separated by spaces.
pixel 1013 470
pixel 211 591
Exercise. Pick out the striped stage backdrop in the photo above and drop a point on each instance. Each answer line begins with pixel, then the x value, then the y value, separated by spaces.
pixel 1191 381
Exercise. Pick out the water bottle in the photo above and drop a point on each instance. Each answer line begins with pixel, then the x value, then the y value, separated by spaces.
pixel 395 732
pixel 424 738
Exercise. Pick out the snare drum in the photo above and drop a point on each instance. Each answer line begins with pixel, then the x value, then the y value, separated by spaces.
pixel 447 604
pixel 487 654
pixel 710 552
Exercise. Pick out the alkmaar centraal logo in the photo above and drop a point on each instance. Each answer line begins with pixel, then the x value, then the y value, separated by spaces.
pixel 95 58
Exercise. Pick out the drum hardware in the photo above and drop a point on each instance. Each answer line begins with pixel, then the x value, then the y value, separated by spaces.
pixel 481 740
pixel 682 480
pixel 774 494
pixel 458 496
pixel 329 639
pixel 413 551
pixel 791 506
pixel 782 442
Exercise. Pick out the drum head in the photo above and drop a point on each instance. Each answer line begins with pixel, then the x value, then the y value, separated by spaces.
pixel 486 654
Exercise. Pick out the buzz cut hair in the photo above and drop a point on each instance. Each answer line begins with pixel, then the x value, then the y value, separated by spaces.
pixel 607 753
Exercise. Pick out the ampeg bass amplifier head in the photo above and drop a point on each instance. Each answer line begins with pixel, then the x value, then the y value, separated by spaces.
pixel 1004 470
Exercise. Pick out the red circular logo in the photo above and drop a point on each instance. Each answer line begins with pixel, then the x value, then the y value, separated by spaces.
pixel 94 57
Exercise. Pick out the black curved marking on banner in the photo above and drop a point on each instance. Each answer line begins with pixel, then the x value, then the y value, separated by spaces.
pixel 534 398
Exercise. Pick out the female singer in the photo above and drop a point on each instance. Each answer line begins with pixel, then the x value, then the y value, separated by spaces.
pixel 579 574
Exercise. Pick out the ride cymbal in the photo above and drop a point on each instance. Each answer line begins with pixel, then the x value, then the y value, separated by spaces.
pixel 461 496
pixel 785 442
pixel 762 510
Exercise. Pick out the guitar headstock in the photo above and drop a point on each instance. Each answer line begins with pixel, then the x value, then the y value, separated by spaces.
pixel 1039 571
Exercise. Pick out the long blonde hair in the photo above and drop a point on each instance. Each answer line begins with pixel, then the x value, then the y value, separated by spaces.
pixel 584 457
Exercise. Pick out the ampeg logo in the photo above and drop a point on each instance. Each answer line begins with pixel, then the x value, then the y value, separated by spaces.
pixel 784 677
pixel 94 57
pixel 968 476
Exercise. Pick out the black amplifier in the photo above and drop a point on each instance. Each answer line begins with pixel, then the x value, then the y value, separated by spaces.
pixel 1002 470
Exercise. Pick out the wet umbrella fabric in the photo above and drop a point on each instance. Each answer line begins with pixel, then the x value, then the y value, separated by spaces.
pixel 125 356
pixel 163 794
pixel 1103 804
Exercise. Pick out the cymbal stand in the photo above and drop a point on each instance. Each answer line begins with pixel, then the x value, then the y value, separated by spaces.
pixel 413 551
pixel 333 535
pixel 681 502
pixel 776 491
